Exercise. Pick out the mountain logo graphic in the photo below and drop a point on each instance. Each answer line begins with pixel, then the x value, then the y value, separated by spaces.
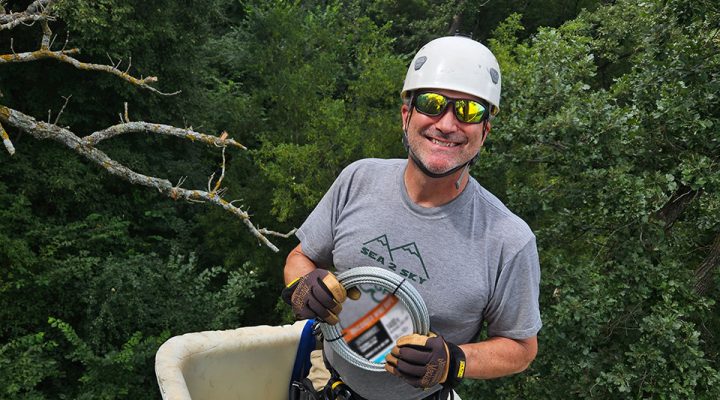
pixel 406 252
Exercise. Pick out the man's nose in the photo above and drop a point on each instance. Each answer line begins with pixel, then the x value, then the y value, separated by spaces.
pixel 447 122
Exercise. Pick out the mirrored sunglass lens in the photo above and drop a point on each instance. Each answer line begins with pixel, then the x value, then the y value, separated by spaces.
pixel 469 110
pixel 430 103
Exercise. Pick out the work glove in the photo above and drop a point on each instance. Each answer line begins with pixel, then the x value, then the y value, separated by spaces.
pixel 317 294
pixel 425 361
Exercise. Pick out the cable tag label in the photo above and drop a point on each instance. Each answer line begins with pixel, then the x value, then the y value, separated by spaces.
pixel 373 335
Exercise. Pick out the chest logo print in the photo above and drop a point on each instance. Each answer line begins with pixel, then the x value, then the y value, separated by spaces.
pixel 405 260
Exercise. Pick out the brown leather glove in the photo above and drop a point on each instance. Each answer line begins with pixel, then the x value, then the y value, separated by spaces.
pixel 425 361
pixel 317 294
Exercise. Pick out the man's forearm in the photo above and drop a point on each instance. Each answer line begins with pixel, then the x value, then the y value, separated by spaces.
pixel 297 264
pixel 498 356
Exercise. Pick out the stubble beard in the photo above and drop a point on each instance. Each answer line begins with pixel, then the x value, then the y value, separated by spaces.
pixel 420 152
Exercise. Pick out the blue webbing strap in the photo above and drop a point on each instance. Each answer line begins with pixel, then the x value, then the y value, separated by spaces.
pixel 302 357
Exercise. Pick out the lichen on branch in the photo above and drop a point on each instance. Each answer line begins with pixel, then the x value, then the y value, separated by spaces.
pixel 86 147
pixel 40 11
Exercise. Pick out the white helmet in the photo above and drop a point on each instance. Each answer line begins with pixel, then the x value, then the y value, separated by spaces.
pixel 456 63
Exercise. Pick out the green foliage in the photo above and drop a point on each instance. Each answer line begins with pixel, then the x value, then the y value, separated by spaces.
pixel 119 373
pixel 24 363
pixel 98 272
pixel 607 122
pixel 320 90
pixel 124 308
pixel 481 19
pixel 606 144
pixel 184 299
pixel 413 22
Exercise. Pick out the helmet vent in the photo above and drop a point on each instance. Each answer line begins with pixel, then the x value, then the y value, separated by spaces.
pixel 494 75
pixel 420 62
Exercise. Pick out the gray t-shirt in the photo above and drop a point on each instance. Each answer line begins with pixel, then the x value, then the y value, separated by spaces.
pixel 472 260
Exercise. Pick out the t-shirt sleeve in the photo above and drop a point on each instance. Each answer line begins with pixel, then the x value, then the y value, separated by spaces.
pixel 317 233
pixel 513 310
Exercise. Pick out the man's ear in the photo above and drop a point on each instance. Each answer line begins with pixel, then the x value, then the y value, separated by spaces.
pixel 486 133
pixel 404 110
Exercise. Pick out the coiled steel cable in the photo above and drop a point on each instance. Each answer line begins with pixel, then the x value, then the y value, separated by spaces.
pixel 406 293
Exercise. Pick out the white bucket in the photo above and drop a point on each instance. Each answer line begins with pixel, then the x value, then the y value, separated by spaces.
pixel 246 363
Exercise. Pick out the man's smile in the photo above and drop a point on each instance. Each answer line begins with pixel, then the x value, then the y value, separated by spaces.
pixel 444 144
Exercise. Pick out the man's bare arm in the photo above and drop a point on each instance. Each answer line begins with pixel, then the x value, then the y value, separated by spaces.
pixel 297 264
pixel 498 356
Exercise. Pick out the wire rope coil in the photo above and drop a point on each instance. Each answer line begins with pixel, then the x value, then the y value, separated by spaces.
pixel 407 294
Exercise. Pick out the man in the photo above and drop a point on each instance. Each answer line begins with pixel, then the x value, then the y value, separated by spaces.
pixel 425 218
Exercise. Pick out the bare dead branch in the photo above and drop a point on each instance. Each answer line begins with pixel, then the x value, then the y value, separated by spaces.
pixel 67 39
pixel 39 6
pixel 6 141
pixel 36 11
pixel 278 234
pixel 181 181
pixel 40 11
pixel 16 19
pixel 57 118
pixel 222 174
pixel 131 127
pixel 86 147
pixel 65 57
pixel 47 34
pixel 34 55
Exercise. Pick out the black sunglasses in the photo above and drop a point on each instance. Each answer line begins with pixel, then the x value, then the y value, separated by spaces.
pixel 466 110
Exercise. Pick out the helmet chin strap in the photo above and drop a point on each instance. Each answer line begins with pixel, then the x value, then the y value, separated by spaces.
pixel 424 169
pixel 422 166
pixel 465 171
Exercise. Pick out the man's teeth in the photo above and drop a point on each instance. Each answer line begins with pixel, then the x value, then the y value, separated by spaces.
pixel 446 144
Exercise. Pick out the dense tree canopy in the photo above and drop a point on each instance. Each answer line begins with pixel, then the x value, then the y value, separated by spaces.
pixel 606 143
pixel 609 145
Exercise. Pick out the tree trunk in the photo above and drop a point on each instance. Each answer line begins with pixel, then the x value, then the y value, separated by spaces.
pixel 704 274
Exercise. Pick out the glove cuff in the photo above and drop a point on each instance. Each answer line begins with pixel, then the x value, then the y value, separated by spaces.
pixel 288 291
pixel 456 366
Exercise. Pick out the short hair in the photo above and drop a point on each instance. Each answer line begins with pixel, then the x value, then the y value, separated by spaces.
pixel 407 97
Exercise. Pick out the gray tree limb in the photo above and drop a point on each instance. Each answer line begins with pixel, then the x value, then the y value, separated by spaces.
pixel 36 11
pixel 85 146
pixel 41 11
